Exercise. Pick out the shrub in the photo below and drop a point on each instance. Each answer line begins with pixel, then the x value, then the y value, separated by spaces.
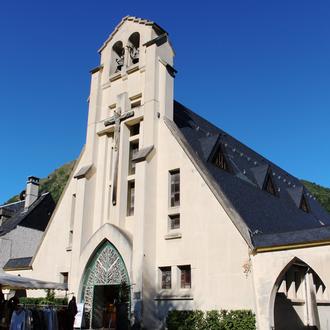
pixel 48 300
pixel 211 320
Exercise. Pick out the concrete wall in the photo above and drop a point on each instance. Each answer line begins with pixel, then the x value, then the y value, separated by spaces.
pixel 209 241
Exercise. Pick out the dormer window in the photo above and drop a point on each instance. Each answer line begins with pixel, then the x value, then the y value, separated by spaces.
pixel 269 185
pixel 134 48
pixel 219 160
pixel 303 204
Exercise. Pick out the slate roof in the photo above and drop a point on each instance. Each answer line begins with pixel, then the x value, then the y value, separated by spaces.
pixel 13 207
pixel 36 217
pixel 18 263
pixel 263 219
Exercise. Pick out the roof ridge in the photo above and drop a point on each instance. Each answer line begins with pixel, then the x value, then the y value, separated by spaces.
pixel 9 204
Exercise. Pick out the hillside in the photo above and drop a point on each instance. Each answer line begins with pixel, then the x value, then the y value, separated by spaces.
pixel 322 194
pixel 54 182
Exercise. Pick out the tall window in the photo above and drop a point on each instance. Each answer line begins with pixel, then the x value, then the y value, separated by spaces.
pixel 166 277
pixel 73 210
pixel 130 198
pixel 175 188
pixel 185 276
pixel 133 149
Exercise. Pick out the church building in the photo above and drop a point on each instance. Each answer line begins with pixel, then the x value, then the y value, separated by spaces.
pixel 180 211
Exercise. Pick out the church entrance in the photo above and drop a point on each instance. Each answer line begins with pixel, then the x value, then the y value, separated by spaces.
pixel 106 290
pixel 104 306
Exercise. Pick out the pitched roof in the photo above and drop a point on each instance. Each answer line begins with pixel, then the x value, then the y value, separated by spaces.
pixel 159 30
pixel 35 217
pixel 263 219
pixel 13 207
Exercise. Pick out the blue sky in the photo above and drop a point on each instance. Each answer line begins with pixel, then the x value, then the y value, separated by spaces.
pixel 258 69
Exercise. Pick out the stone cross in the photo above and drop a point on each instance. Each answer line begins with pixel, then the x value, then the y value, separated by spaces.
pixel 122 112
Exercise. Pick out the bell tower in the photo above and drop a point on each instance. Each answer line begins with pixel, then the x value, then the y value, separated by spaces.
pixel 131 93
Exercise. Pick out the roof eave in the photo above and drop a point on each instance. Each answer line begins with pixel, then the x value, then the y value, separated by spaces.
pixel 263 249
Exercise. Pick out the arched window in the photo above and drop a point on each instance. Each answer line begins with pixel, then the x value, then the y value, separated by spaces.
pixel 134 48
pixel 117 55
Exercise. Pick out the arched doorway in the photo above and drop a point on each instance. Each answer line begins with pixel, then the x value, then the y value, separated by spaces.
pixel 300 299
pixel 105 283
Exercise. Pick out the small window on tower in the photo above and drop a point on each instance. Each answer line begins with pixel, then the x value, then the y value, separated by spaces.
pixel 269 185
pixel 219 160
pixel 175 188
pixel 174 221
pixel 133 149
pixel 134 129
pixel 130 198
pixel 303 204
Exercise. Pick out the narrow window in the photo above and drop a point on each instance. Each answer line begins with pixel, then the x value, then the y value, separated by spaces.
pixel 220 160
pixel 175 187
pixel 133 149
pixel 134 129
pixel 185 275
pixel 73 210
pixel 174 221
pixel 166 277
pixel 130 198
pixel 303 204
pixel 65 277
pixel 269 185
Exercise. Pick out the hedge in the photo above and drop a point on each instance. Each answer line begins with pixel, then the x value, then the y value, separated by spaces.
pixel 48 300
pixel 43 301
pixel 211 320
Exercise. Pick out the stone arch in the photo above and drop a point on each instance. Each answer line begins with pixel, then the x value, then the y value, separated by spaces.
pixel 106 260
pixel 309 272
pixel 133 46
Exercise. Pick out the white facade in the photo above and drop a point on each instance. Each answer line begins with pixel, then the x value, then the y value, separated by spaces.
pixel 225 272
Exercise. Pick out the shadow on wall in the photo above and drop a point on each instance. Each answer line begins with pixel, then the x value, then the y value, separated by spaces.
pixel 286 316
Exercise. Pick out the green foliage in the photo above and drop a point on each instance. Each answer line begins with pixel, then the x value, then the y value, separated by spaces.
pixel 211 320
pixel 50 299
pixel 50 294
pixel 239 319
pixel 322 194
pixel 185 320
pixel 124 292
pixel 54 183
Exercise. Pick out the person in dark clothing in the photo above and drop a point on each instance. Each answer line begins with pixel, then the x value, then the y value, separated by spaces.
pixel 72 311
